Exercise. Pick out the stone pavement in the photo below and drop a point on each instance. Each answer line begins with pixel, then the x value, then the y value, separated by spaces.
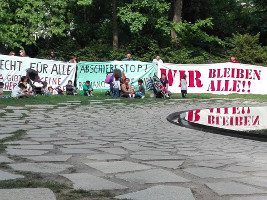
pixel 131 150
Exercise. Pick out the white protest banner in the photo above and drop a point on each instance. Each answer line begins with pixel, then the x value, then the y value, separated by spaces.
pixel 55 73
pixel 219 78
pixel 232 118
pixel 96 72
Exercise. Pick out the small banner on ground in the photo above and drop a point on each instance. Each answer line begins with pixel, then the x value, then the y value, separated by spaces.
pixel 55 73
pixel 219 78
pixel 96 72
pixel 232 118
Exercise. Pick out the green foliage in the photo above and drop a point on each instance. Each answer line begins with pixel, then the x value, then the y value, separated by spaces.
pixel 64 48
pixel 247 49
pixel 85 27
pixel 194 34
pixel 84 2
pixel 152 14
pixel 188 55
pixel 22 20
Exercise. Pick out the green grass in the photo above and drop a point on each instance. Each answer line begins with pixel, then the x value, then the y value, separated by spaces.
pixel 4 165
pixel 62 191
pixel 11 184
pixel 259 132
pixel 33 180
pixel 27 183
pixel 101 96
pixel 16 136
pixel 82 194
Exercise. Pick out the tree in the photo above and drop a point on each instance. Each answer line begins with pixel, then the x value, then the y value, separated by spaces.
pixel 247 49
pixel 256 10
pixel 95 29
pixel 115 24
pixel 23 21
pixel 229 16
pixel 145 15
pixel 177 16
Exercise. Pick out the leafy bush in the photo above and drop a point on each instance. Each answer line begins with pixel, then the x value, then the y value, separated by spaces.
pixel 195 34
pixel 247 49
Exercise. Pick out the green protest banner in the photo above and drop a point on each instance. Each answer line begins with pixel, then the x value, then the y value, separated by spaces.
pixel 96 72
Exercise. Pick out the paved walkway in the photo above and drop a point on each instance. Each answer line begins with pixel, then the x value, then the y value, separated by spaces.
pixel 132 151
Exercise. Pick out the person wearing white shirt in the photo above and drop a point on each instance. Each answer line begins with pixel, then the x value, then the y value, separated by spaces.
pixel 157 60
pixel 116 87
pixel 184 86
pixel 19 91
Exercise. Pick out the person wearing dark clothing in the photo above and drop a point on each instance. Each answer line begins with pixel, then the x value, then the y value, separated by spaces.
pixel 70 89
pixel 52 56
pixel 164 81
pixel 141 91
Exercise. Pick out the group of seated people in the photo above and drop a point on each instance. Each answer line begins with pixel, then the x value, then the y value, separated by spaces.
pixel 124 89
pixel 21 90
pixel 120 88
pixel 25 89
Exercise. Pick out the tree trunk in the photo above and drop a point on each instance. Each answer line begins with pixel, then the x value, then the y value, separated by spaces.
pixel 115 24
pixel 84 15
pixel 177 16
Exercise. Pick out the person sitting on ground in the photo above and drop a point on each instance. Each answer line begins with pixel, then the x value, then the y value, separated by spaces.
pixel 70 89
pixel 44 88
pixel 19 91
pixel 128 57
pixel 165 83
pixel 157 60
pixel 132 89
pixel 59 91
pixel 233 60
pixel 2 90
pixel 125 89
pixel 164 90
pixel 51 91
pixel 87 89
pixel 80 86
pixel 2 95
pixel 184 86
pixel 74 59
pixel 141 91
pixel 116 87
pixel 52 56
pixel 25 80
pixel 164 80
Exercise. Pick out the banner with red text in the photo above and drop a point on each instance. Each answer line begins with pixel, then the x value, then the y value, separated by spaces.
pixel 232 118
pixel 219 78
pixel 55 73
